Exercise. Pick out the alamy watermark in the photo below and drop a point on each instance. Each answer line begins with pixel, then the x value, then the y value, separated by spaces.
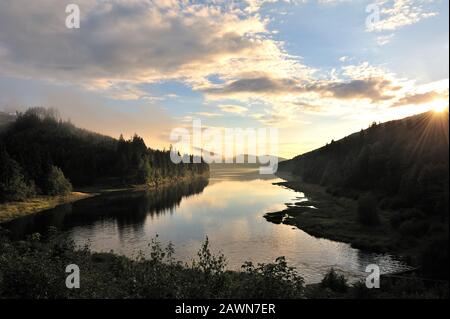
pixel 73 279
pixel 373 279
pixel 373 19
pixel 73 16
pixel 226 145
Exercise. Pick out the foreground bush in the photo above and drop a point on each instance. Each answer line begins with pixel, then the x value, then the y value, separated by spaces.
pixel 413 286
pixel 36 269
pixel 334 281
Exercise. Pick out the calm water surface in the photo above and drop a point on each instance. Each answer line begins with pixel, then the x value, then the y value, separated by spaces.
pixel 228 208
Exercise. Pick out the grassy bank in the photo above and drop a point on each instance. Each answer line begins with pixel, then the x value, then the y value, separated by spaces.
pixel 336 218
pixel 11 210
pixel 423 242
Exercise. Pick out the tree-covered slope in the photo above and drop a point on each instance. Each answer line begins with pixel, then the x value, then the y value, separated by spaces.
pixel 39 147
pixel 404 161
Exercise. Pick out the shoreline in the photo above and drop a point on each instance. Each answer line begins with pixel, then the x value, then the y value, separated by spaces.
pixel 335 219
pixel 12 210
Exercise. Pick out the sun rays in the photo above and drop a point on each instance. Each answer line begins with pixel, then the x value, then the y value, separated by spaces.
pixel 439 108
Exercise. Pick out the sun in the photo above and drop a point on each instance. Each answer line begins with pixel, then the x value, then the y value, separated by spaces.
pixel 439 108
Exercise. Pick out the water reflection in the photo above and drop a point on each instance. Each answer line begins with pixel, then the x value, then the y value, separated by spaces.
pixel 229 210
pixel 124 208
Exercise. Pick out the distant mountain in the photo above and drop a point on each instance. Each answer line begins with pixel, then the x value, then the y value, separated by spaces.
pixel 245 158
pixel 405 161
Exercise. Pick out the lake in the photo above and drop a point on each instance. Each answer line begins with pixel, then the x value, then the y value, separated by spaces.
pixel 228 208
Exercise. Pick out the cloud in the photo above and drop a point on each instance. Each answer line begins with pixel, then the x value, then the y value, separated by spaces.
pixel 421 98
pixel 123 44
pixel 272 119
pixel 262 84
pixel 374 89
pixel 283 114
pixel 384 39
pixel 208 114
pixel 395 14
pixel 345 58
pixel 134 42
pixel 236 109
pixel 343 91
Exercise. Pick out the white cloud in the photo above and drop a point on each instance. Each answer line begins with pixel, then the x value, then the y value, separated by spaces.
pixel 208 114
pixel 236 109
pixel 124 43
pixel 384 39
pixel 133 42
pixel 399 13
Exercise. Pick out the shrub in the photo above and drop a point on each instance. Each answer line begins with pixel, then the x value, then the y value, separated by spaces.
pixel 57 184
pixel 367 210
pixel 360 291
pixel 334 281
pixel 273 280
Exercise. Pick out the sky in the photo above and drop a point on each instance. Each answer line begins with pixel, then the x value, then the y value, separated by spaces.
pixel 316 70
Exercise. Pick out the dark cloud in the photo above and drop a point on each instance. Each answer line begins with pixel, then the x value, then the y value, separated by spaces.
pixel 421 98
pixel 263 84
pixel 374 89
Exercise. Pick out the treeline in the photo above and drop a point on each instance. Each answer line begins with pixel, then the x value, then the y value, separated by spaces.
pixel 42 154
pixel 406 162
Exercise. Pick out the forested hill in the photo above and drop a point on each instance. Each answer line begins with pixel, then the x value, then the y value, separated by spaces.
pixel 404 162
pixel 42 154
